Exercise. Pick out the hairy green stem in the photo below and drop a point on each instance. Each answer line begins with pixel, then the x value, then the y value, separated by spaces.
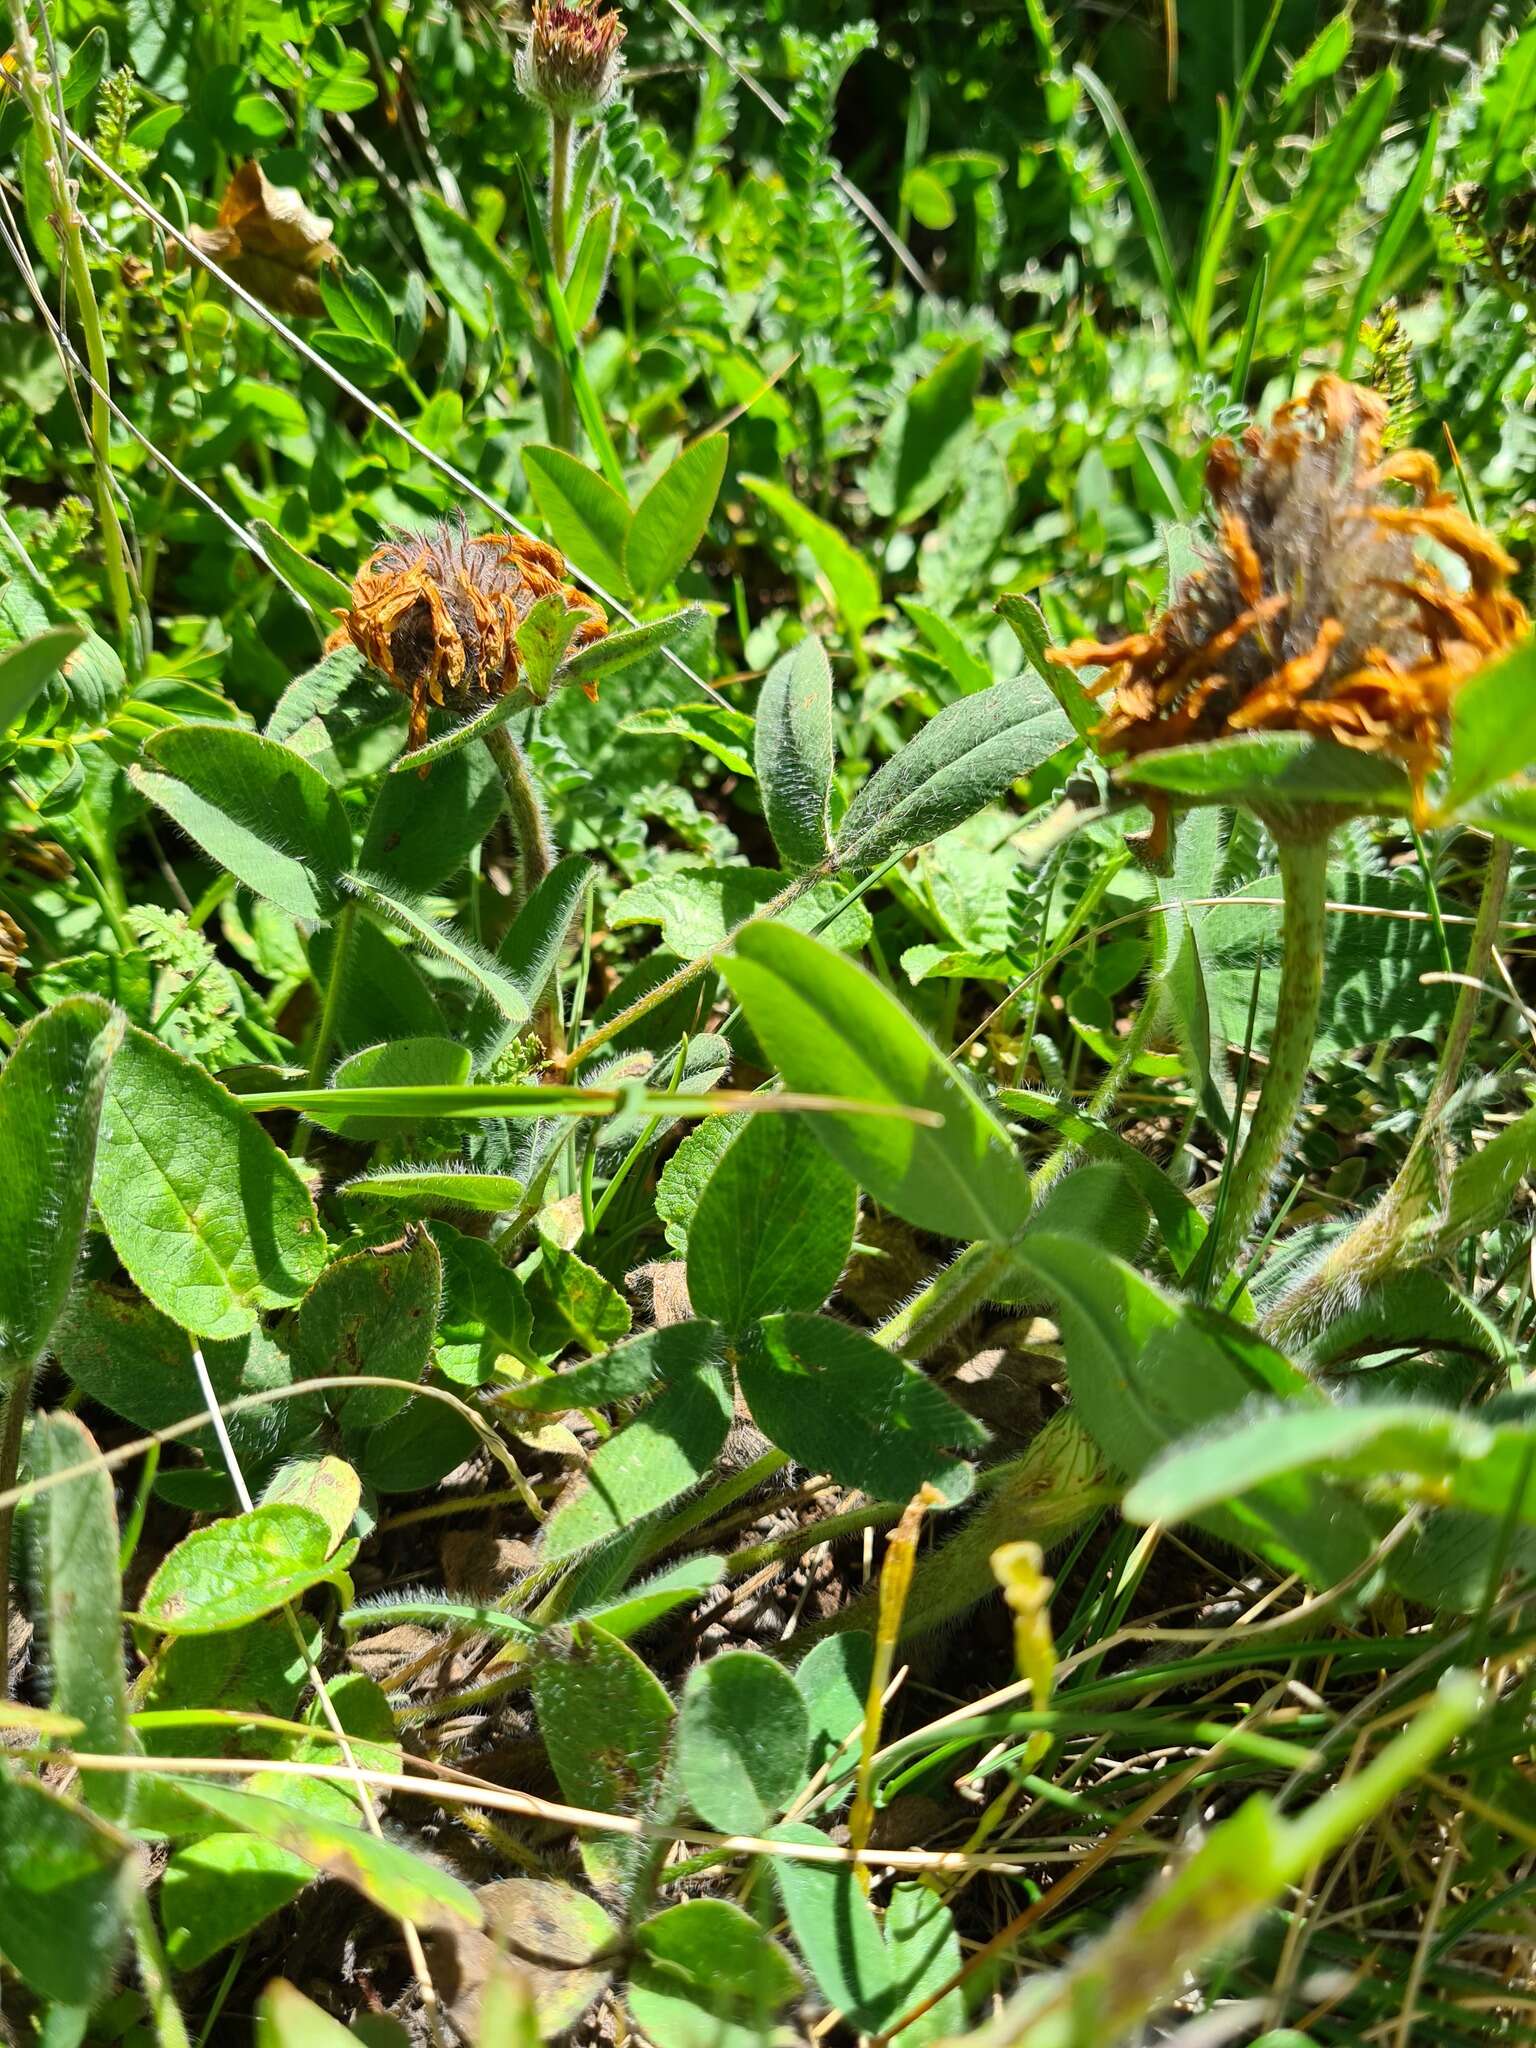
pixel 1102 1101
pixel 532 858
pixel 533 855
pixel 18 1403
pixel 559 206
pixel 949 1297
pixel 165 2013
pixel 752 1557
pixel 559 193
pixel 78 272
pixel 962 1286
pixel 343 933
pixel 113 900
pixel 1304 884
pixel 714 1501
pixel 1372 1246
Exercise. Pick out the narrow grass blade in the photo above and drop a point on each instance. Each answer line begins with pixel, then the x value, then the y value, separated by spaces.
pixel 1250 335
pixel 1144 201
pixel 1395 229
pixel 514 1100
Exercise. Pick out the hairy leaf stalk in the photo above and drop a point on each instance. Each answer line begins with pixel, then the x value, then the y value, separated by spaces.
pixel 1102 1101
pixel 342 945
pixel 665 990
pixel 343 933
pixel 948 1299
pixel 532 858
pixel 967 1282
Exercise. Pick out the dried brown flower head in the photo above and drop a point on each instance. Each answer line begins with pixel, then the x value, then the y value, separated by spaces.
pixel 13 945
pixel 270 242
pixel 24 846
pixel 570 61
pixel 1316 611
pixel 438 613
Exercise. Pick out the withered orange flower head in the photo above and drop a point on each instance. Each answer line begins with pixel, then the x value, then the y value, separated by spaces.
pixel 438 613
pixel 1316 610
pixel 570 62
pixel 13 946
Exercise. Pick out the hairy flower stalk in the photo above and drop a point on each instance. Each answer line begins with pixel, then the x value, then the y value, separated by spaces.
pixel 1318 612
pixel 569 64
pixel 1375 1245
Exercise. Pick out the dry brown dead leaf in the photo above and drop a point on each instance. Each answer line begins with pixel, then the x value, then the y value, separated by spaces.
pixel 268 240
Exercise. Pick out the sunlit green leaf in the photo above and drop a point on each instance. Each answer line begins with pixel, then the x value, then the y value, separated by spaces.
pixel 211 1219
pixel 827 1024
pixel 51 1093
pixel 233 1572
pixel 670 519
pixel 794 752
pixel 256 808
